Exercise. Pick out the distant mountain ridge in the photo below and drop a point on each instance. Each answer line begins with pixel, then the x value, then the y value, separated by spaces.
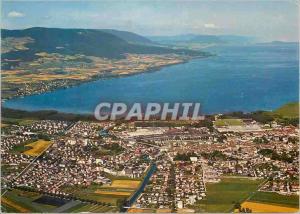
pixel 92 42
pixel 198 38
pixel 279 43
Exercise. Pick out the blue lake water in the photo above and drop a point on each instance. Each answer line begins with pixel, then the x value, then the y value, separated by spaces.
pixel 239 78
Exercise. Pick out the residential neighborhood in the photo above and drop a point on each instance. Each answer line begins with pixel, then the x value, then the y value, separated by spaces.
pixel 54 157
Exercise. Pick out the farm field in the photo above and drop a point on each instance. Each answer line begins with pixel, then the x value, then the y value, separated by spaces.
pixel 185 210
pixel 37 147
pixel 113 193
pixel 267 208
pixel 86 207
pixel 89 193
pixel 23 201
pixel 138 210
pixel 130 184
pixel 275 198
pixel 222 196
pixel 164 211
pixel 11 204
pixel 229 122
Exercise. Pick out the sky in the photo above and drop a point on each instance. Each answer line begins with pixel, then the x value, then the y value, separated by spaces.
pixel 267 20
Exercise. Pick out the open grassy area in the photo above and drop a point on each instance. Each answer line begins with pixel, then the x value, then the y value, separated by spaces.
pixel 164 210
pixel 222 196
pixel 275 198
pixel 21 148
pixel 75 208
pixel 108 194
pixel 138 210
pixel 268 208
pixel 37 147
pixel 130 184
pixel 12 204
pixel 112 193
pixel 290 110
pixel 111 200
pixel 95 209
pixel 22 201
pixel 14 121
pixel 229 122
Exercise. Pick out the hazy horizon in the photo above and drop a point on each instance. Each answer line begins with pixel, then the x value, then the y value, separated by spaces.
pixel 264 20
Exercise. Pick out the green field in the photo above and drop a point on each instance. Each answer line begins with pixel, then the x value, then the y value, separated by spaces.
pixel 290 110
pixel 109 195
pixel 21 148
pixel 222 196
pixel 229 122
pixel 85 207
pixel 20 122
pixel 275 198
pixel 89 193
pixel 23 199
pixel 20 200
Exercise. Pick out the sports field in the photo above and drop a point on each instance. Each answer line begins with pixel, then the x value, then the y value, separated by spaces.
pixel 268 208
pixel 37 147
pixel 229 122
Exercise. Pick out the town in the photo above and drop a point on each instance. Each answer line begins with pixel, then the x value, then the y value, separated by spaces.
pixel 107 163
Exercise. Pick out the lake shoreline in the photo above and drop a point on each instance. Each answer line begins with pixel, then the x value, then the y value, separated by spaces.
pixel 105 75
pixel 60 115
pixel 238 78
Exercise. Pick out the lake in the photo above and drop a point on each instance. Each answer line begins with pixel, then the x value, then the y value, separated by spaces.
pixel 239 78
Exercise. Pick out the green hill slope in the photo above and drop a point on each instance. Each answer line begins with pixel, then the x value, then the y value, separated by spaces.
pixel 290 110
pixel 82 41
pixel 129 37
